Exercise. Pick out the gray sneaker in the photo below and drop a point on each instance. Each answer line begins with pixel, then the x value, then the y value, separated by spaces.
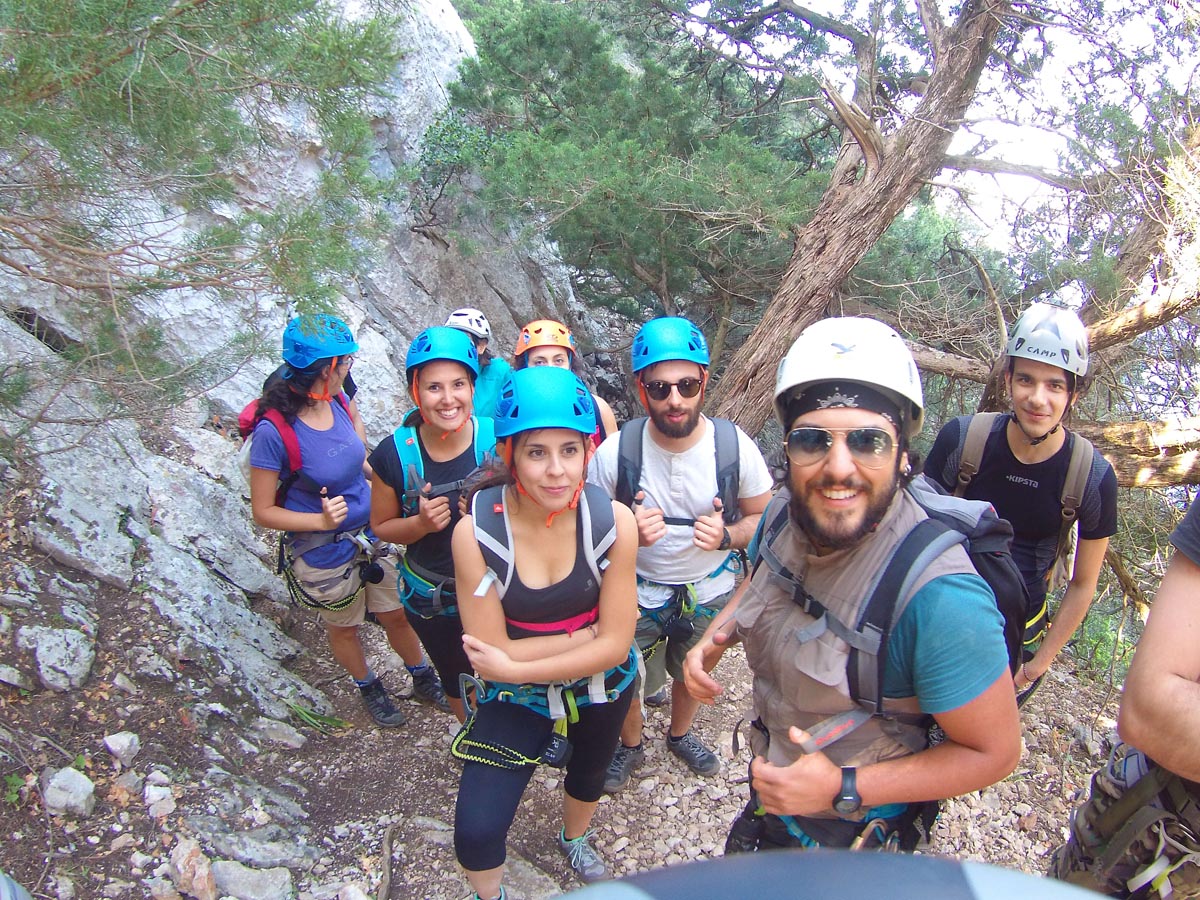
pixel 583 857
pixel 379 705
pixel 659 698
pixel 699 758
pixel 427 688
pixel 624 761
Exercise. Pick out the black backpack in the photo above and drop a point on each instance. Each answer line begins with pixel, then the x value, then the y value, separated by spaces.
pixel 629 467
pixel 952 520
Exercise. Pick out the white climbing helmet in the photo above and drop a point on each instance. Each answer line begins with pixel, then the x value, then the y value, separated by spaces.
pixel 855 350
pixel 1051 334
pixel 472 321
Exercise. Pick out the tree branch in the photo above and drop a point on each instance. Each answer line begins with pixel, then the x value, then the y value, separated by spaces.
pixel 1003 167
pixel 1129 323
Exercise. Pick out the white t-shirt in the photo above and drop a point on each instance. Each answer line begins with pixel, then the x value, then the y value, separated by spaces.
pixel 682 485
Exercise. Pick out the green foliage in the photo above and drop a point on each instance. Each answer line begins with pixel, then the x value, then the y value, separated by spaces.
pixel 644 171
pixel 119 119
pixel 13 783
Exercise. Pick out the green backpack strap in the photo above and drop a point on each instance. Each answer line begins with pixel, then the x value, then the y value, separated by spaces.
pixel 1078 470
pixel 978 431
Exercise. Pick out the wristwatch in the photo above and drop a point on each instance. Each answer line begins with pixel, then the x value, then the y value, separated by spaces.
pixel 847 801
pixel 726 539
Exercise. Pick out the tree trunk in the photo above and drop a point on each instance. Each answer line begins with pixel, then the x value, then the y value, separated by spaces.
pixel 852 215
pixel 1149 454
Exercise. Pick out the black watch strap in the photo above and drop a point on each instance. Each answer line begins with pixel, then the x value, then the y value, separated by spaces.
pixel 848 801
pixel 726 540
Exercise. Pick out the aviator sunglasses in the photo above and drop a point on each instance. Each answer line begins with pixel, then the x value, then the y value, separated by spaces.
pixel 661 390
pixel 869 447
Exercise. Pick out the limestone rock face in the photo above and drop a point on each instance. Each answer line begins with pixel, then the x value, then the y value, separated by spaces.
pixel 154 504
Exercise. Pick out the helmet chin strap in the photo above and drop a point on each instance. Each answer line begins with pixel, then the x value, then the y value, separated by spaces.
pixel 1034 441
pixel 509 444
pixel 325 395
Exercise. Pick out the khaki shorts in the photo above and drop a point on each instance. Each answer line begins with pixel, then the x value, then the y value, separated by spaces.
pixel 332 585
pixel 668 656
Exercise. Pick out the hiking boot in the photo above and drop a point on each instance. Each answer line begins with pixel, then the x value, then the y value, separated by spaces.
pixel 427 688
pixel 624 761
pixel 699 758
pixel 583 857
pixel 379 705
pixel 658 698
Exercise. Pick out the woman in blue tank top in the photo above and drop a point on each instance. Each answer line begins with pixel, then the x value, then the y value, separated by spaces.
pixel 545 572
pixel 334 564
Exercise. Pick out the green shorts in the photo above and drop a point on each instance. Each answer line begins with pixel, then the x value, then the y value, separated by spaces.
pixel 667 657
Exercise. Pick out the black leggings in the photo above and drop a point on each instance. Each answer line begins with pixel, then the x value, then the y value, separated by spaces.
pixel 442 638
pixel 488 796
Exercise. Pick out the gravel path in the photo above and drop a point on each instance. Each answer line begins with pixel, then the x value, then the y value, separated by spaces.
pixel 667 816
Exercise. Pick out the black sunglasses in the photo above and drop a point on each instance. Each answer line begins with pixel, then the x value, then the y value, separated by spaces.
pixel 870 447
pixel 661 390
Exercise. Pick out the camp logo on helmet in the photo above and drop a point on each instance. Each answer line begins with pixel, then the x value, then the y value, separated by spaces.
pixel 844 348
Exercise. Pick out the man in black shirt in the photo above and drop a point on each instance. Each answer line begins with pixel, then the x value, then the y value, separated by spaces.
pixel 1024 468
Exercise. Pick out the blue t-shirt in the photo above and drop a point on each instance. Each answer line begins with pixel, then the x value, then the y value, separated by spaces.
pixel 487 387
pixel 948 647
pixel 332 459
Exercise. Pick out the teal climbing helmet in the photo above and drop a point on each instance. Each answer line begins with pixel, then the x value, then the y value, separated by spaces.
pixel 544 397
pixel 310 338
pixel 668 338
pixel 441 343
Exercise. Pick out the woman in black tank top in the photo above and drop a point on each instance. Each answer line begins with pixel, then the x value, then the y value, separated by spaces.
pixel 547 626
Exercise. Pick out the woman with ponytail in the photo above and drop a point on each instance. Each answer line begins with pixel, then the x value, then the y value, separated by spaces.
pixel 333 563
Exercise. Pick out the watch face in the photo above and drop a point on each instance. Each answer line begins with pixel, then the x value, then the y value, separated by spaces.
pixel 847 805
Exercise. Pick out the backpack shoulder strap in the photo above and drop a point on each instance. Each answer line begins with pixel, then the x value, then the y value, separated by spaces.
pixel 411 464
pixel 1077 477
pixel 888 598
pixel 629 460
pixel 287 434
pixel 774 518
pixel 344 401
pixel 485 439
pixel 728 467
pixel 493 533
pixel 599 526
pixel 978 430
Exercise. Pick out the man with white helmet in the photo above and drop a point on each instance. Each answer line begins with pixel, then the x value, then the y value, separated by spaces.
pixel 492 369
pixel 826 773
pixel 1021 463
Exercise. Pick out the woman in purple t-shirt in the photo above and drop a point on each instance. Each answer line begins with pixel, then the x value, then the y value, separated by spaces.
pixel 333 563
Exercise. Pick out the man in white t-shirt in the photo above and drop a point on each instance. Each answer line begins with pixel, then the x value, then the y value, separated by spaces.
pixel 673 468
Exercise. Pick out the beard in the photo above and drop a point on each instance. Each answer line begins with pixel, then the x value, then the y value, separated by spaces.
pixel 672 430
pixel 840 530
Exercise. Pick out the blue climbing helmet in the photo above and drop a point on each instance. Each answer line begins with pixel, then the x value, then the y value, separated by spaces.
pixel 544 397
pixel 668 338
pixel 310 338
pixel 441 343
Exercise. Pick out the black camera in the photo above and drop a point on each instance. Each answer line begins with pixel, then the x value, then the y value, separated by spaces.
pixel 371 572
pixel 557 751
pixel 678 628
